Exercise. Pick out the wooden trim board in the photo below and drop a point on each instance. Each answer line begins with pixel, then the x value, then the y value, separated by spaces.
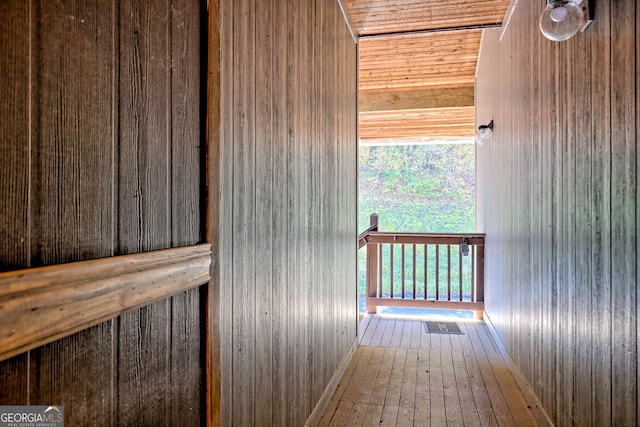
pixel 511 8
pixel 348 21
pixel 533 401
pixel 213 131
pixel 321 406
pixel 41 305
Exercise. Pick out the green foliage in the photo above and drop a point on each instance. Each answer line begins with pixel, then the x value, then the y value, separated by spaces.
pixel 417 188
pixel 421 188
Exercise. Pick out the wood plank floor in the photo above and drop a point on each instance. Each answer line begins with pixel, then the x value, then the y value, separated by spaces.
pixel 403 376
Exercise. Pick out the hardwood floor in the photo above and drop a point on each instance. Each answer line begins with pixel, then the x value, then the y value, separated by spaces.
pixel 403 376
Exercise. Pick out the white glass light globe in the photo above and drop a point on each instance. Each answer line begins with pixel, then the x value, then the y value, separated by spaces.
pixel 483 136
pixel 558 14
pixel 561 21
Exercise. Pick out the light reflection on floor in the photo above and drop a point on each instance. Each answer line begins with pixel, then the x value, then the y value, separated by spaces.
pixel 422 314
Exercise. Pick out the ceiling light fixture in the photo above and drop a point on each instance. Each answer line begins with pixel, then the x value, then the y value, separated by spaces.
pixel 562 19
pixel 484 133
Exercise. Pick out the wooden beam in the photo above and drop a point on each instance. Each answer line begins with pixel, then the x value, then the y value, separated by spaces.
pixel 433 30
pixel 428 123
pixel 41 305
pixel 417 99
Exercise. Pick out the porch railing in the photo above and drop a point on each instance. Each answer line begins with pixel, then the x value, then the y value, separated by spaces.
pixel 423 270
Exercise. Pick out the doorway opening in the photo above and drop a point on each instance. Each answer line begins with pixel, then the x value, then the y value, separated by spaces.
pixel 423 187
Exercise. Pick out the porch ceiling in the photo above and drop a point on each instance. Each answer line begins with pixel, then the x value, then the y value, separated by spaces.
pixel 417 63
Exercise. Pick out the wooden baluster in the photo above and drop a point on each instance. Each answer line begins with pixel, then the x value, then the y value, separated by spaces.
pixel 448 272
pixel 474 254
pixel 460 272
pixel 414 271
pixel 380 264
pixel 402 275
pixel 437 272
pixel 426 271
pixel 391 270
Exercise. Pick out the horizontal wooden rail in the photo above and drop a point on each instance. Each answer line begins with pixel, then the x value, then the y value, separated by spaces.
pixel 421 238
pixel 423 270
pixel 41 305
pixel 373 226
pixel 440 305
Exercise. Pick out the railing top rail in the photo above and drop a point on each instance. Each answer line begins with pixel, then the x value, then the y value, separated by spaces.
pixel 422 238
pixel 369 230
pixel 372 235
pixel 406 233
pixel 362 238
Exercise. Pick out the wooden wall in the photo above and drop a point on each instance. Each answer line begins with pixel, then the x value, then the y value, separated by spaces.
pixel 287 206
pixel 101 139
pixel 558 198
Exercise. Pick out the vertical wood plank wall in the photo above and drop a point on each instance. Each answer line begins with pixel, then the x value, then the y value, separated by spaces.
pixel 101 136
pixel 287 207
pixel 558 198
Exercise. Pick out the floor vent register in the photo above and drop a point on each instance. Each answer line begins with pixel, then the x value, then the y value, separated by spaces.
pixel 442 327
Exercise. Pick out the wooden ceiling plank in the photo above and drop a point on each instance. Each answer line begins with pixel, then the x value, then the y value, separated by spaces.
pixel 402 75
pixel 416 86
pixel 443 122
pixel 417 99
pixel 418 82
pixel 394 16
pixel 426 70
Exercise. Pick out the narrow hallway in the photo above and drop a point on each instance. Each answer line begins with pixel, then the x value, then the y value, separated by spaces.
pixel 402 375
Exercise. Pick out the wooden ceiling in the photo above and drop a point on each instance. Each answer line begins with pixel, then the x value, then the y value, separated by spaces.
pixel 417 63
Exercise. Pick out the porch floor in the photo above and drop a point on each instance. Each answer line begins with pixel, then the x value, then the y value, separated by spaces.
pixel 403 376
